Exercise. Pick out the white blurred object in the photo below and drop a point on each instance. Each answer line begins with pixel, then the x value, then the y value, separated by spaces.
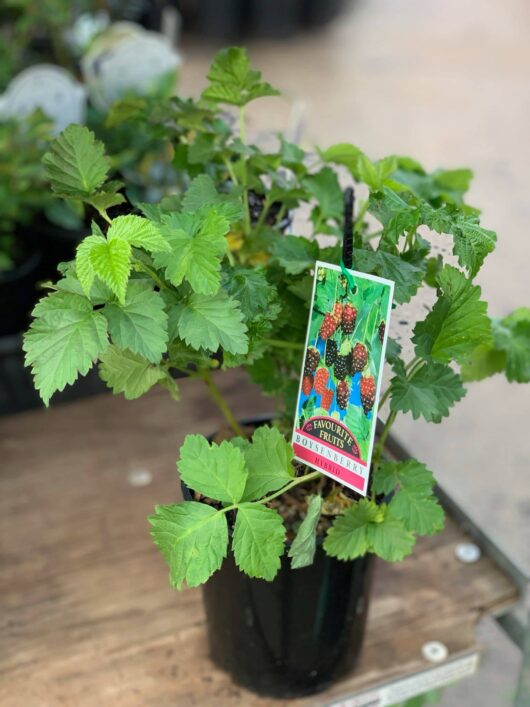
pixel 127 59
pixel 85 28
pixel 52 89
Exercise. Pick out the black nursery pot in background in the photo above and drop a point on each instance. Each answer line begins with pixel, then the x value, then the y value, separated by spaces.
pixel 293 636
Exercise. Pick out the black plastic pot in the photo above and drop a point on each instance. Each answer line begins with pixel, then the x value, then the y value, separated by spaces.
pixel 293 636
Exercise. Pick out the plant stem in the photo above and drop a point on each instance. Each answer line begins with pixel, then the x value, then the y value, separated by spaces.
pixel 242 126
pixel 290 485
pixel 153 275
pixel 280 344
pixel 381 441
pixel 221 403
pixel 243 138
pixel 360 216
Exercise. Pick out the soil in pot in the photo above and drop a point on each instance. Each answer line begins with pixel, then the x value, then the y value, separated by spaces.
pixel 296 635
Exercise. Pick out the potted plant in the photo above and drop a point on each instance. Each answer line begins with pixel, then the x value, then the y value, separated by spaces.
pixel 207 280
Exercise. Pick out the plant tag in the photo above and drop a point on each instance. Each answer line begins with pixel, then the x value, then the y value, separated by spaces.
pixel 52 89
pixel 336 409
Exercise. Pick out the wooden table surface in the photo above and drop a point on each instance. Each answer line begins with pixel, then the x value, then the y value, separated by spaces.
pixel 87 615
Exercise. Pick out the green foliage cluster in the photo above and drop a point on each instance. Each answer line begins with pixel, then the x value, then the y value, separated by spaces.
pixel 206 279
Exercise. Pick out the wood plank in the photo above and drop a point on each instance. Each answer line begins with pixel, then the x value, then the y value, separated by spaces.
pixel 88 617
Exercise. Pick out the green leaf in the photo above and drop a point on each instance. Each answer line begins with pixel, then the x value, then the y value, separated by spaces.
pixel 420 513
pixel 472 243
pixel 75 163
pixel 409 474
pixel 210 322
pixel 258 541
pixel 202 193
pixel 193 539
pixel 484 361
pixel 216 471
pixel 111 262
pixel 295 253
pixel 83 264
pixel 140 324
pixel 512 336
pixel 457 323
pixel 105 200
pixel 407 277
pixel 389 539
pixel 197 243
pixel 250 288
pixel 138 232
pixel 325 188
pixel 269 462
pixel 233 81
pixel 302 550
pixel 430 393
pixel 127 373
pixel 347 538
pixel 63 341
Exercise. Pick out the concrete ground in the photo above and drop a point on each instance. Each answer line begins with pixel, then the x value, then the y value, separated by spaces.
pixel 448 82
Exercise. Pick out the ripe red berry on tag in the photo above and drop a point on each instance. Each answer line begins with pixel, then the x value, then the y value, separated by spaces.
pixel 337 312
pixel 359 357
pixel 328 326
pixel 321 380
pixel 327 399
pixel 311 360
pixel 343 395
pixel 349 315
pixel 367 387
pixel 307 384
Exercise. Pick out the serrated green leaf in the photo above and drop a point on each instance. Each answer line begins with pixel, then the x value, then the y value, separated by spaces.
pixel 484 361
pixel 233 81
pixel 325 188
pixel 138 232
pixel 75 163
pixel 216 471
pixel 295 253
pixel 512 336
pixel 430 393
pixel 406 276
pixel 269 462
pixel 111 261
pixel 210 322
pixel 457 323
pixel 197 243
pixel 258 541
pixel 389 539
pixel 193 539
pixel 409 474
pixel 472 243
pixel 250 288
pixel 63 341
pixel 202 192
pixel 347 538
pixel 420 513
pixel 140 324
pixel 127 373
pixel 104 200
pixel 302 550
pixel 83 265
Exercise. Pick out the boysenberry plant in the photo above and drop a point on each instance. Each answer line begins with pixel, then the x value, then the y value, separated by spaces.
pixel 207 280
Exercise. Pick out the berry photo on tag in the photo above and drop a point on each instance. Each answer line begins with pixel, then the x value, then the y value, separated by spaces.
pixel 341 376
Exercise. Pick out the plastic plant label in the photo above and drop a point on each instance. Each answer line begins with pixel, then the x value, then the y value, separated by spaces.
pixel 337 401
pixel 52 89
